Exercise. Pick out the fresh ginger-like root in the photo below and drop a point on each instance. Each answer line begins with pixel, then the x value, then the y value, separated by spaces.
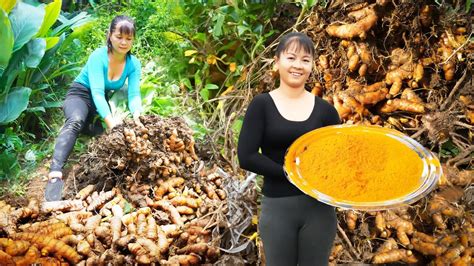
pixel 450 66
pixel 427 248
pixel 353 62
pixel 137 249
pixel 409 94
pixel 101 199
pixel 336 249
pixel 186 201
pixel 6 259
pixel 14 248
pixel 31 255
pixel 153 249
pixel 115 228
pixel 185 210
pixel 71 240
pixel 50 228
pixel 402 105
pixel 63 206
pixel 168 186
pixel 173 212
pixel 418 72
pixel 424 237
pixel 351 219
pixel 439 204
pixel 86 191
pixel 84 248
pixel 450 256
pixel 396 77
pixel 51 245
pixel 199 248
pixel 38 225
pixel 47 261
pixel 357 29
pixel 152 230
pixel 389 244
pixel 371 97
pixel 380 224
pixel 323 61
pixel 70 218
pixel 448 240
pixel 141 224
pixel 92 222
pixel 439 221
pixel 391 256
pixel 402 226
pixel 181 260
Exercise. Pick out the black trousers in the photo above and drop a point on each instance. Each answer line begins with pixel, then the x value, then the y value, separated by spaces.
pixel 297 230
pixel 80 111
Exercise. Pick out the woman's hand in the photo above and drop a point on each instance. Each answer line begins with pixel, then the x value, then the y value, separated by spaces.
pixel 136 119
pixel 112 122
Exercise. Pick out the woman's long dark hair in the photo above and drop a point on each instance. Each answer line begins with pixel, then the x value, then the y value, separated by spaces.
pixel 301 40
pixel 125 28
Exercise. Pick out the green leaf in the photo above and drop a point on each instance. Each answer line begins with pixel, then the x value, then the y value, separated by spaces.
pixel 187 83
pixel 52 11
pixel 15 66
pixel 26 21
pixel 75 22
pixel 14 104
pixel 468 5
pixel 51 42
pixel 7 5
pixel 6 39
pixel 197 79
pixel 36 49
pixel 217 30
pixel 211 86
pixel 204 94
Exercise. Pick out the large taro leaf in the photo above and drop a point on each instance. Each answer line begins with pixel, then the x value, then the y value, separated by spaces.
pixel 6 39
pixel 52 11
pixel 14 104
pixel 26 21
pixel 36 49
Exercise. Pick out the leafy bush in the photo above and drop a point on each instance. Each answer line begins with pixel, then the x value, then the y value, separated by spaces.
pixel 27 60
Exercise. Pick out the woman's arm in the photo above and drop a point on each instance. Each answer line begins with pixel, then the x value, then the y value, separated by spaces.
pixel 95 71
pixel 134 97
pixel 250 140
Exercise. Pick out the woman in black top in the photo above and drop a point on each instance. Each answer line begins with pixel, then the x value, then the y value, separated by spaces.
pixel 295 228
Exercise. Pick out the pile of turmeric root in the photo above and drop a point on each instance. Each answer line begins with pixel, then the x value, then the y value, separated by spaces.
pixel 155 205
pixel 438 229
pixel 175 228
pixel 405 65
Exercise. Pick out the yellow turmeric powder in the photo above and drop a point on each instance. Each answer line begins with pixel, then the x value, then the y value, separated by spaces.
pixel 358 167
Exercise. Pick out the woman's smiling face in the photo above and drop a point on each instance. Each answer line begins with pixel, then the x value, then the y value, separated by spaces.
pixel 294 66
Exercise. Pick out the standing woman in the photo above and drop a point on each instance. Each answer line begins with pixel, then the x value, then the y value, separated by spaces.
pixel 106 69
pixel 295 228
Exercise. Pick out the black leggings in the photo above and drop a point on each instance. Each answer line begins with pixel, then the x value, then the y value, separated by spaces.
pixel 80 111
pixel 297 230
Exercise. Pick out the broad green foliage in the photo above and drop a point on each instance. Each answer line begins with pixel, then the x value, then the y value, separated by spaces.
pixel 7 5
pixel 26 21
pixel 28 67
pixel 15 103
pixel 52 13
pixel 6 39
pixel 225 37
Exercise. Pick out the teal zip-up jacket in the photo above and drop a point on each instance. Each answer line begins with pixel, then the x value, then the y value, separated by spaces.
pixel 94 76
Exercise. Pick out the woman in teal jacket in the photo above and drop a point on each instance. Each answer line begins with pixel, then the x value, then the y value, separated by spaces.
pixel 107 69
